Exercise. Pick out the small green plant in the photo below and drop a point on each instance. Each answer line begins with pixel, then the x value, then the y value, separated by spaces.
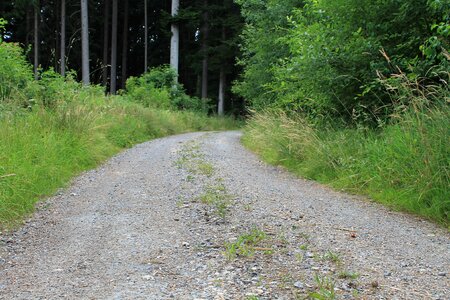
pixel 252 297
pixel 245 244
pixel 205 168
pixel 324 289
pixel 304 247
pixel 332 256
pixel 217 196
pixel 348 275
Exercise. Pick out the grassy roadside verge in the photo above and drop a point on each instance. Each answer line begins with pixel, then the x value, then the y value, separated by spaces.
pixel 41 150
pixel 405 166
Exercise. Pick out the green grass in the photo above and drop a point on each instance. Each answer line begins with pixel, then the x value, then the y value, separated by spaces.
pixel 405 165
pixel 245 244
pixel 218 198
pixel 41 150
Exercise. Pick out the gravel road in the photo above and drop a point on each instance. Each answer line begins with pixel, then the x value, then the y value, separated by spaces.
pixel 197 216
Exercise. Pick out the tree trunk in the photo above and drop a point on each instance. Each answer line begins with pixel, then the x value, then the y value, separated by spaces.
pixel 63 38
pixel 205 33
pixel 175 40
pixel 114 49
pixel 146 36
pixel 222 82
pixel 105 42
pixel 36 39
pixel 125 44
pixel 84 42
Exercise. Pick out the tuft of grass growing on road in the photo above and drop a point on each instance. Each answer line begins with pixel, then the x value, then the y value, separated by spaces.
pixel 246 244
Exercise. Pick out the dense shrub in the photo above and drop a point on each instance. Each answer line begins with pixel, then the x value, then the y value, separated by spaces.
pixel 158 89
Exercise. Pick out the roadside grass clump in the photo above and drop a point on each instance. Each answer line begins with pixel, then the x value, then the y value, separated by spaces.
pixel 404 163
pixel 53 129
pixel 246 244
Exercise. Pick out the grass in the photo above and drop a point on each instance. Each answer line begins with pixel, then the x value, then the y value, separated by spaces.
pixel 41 150
pixel 218 198
pixel 324 289
pixel 246 244
pixel 405 165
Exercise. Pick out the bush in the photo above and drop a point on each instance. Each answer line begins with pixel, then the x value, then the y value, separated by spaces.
pixel 158 89
pixel 15 75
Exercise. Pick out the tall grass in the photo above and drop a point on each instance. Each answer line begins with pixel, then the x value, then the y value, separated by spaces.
pixel 405 164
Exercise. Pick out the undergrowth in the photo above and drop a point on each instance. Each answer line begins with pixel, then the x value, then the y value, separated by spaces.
pixel 404 164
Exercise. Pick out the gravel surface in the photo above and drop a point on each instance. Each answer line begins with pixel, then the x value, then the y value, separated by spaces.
pixel 197 216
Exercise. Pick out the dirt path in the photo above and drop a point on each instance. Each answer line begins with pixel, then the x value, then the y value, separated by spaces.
pixel 196 216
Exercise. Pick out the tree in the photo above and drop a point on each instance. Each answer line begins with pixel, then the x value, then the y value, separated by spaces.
pixel 37 8
pixel 85 42
pixel 125 44
pixel 222 81
pixel 106 9
pixel 175 39
pixel 63 38
pixel 145 36
pixel 205 33
pixel 113 86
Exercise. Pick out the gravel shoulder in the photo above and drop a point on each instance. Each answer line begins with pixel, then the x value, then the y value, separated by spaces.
pixel 197 216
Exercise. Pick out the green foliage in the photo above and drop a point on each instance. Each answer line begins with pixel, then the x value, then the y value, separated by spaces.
pixel 3 23
pixel 15 75
pixel 324 60
pixel 158 89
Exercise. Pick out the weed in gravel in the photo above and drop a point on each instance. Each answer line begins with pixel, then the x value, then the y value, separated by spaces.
pixel 252 297
pixel 332 256
pixel 348 275
pixel 248 207
pixel 324 289
pixel 205 168
pixel 190 178
pixel 304 247
pixel 217 196
pixel 246 244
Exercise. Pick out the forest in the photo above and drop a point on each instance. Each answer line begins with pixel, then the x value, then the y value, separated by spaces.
pixel 351 93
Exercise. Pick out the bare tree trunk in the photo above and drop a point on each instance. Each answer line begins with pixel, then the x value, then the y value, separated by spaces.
pixel 222 83
pixel 84 42
pixel 36 39
pixel 63 38
pixel 28 25
pixel 205 34
pixel 175 40
pixel 146 36
pixel 105 41
pixel 113 86
pixel 125 44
